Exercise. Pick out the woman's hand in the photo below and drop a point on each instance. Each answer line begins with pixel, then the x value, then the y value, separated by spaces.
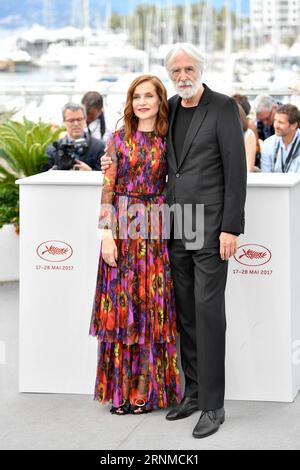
pixel 110 252
pixel 105 161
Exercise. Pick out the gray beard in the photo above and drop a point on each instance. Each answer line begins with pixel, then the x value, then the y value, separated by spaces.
pixel 188 94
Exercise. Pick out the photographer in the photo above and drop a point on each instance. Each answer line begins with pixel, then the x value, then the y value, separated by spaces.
pixel 77 150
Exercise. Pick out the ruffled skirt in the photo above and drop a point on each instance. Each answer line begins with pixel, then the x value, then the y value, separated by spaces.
pixel 134 320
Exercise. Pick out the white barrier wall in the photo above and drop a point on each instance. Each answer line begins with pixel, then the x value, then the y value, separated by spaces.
pixel 58 266
pixel 263 294
pixel 59 254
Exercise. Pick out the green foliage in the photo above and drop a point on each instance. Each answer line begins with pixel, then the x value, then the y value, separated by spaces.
pixel 4 116
pixel 289 41
pixel 116 22
pixel 22 153
pixel 9 204
pixel 23 148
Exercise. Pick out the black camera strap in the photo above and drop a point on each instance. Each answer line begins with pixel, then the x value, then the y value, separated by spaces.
pixel 293 153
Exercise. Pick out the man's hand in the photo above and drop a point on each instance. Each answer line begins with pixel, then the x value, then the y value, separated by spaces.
pixel 228 245
pixel 81 166
pixel 106 161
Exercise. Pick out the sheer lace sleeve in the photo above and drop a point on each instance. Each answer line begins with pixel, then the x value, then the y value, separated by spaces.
pixel 109 181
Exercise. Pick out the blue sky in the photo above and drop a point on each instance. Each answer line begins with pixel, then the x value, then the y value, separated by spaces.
pixel 123 7
pixel 17 13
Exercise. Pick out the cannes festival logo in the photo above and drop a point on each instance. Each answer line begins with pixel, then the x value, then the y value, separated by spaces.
pixel 54 251
pixel 253 255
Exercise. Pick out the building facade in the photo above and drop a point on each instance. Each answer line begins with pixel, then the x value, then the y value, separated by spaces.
pixel 277 20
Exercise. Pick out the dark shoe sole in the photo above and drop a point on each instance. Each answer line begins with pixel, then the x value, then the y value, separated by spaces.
pixel 209 433
pixel 138 410
pixel 182 417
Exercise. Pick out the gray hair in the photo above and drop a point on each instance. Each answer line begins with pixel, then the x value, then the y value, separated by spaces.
pixel 264 102
pixel 73 107
pixel 189 49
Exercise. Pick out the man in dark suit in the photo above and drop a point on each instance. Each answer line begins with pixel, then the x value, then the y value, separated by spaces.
pixel 206 166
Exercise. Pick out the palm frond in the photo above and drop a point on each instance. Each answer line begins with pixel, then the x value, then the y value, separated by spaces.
pixel 23 145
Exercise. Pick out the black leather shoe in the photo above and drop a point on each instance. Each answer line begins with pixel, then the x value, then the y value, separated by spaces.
pixel 187 407
pixel 209 423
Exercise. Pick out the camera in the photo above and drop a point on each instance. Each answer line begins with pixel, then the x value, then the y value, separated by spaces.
pixel 68 152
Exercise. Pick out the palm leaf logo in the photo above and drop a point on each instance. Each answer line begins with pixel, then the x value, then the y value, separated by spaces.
pixel 251 254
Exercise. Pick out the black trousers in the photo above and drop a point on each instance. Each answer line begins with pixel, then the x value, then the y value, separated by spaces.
pixel 199 282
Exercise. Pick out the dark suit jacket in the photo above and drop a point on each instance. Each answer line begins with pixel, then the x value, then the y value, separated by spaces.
pixel 212 167
pixel 92 157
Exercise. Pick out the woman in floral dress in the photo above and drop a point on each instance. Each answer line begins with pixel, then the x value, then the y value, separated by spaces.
pixel 134 307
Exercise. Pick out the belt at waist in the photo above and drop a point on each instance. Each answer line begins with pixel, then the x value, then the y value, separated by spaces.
pixel 138 196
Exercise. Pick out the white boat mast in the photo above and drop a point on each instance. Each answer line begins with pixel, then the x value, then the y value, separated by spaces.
pixel 157 23
pixel 134 24
pixel 187 23
pixel 239 22
pixel 85 11
pixel 170 22
pixel 206 25
pixel 48 16
pixel 228 56
pixel 203 8
pixel 108 14
pixel 148 40
pixel 228 29
pixel 210 26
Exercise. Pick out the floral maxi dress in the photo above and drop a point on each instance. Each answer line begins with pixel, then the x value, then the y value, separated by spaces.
pixel 134 308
